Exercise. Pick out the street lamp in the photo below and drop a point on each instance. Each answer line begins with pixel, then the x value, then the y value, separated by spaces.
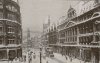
pixel 40 55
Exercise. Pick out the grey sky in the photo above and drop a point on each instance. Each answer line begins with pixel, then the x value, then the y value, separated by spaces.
pixel 35 12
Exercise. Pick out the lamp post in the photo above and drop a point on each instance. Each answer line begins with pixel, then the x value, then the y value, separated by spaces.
pixel 40 55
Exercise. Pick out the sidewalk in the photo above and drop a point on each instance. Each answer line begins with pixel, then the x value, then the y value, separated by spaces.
pixel 64 60
pixel 61 58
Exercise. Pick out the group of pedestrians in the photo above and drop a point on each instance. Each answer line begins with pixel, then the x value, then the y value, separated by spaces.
pixel 30 56
pixel 16 60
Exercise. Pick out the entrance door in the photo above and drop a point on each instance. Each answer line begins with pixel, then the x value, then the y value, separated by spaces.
pixel 12 54
pixel 95 55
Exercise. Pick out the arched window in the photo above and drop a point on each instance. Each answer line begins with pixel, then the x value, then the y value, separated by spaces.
pixel 96 14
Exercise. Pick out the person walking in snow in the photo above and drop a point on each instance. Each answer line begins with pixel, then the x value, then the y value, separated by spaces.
pixel 47 62
pixel 34 55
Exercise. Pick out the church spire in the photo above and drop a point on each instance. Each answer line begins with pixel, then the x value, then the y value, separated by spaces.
pixel 49 20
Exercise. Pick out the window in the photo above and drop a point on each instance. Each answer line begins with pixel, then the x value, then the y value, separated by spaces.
pixel 11 8
pixel 1 40
pixel 98 27
pixel 10 29
pixel 1 29
pixel 97 38
pixel 1 14
pixel 80 40
pixel 11 41
pixel 1 5
pixel 12 17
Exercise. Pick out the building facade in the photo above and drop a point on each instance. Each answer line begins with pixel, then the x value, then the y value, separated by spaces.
pixel 52 37
pixel 45 32
pixel 10 30
pixel 79 34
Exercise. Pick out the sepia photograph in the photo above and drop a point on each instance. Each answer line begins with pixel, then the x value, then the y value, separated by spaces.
pixel 49 31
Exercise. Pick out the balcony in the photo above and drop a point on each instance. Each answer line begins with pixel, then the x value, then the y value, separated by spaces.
pixel 13 45
pixel 11 32
pixel 2 33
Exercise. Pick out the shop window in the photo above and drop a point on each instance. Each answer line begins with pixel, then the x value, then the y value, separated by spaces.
pixel 3 54
pixel 12 54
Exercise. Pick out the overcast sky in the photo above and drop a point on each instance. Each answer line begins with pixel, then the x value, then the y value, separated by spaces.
pixel 35 12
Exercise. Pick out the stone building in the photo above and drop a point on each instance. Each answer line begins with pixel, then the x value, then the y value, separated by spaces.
pixel 10 30
pixel 45 32
pixel 79 34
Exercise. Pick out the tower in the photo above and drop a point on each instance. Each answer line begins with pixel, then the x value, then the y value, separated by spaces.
pixel 28 35
pixel 49 20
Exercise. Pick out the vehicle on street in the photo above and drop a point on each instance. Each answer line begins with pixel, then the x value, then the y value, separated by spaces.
pixel 49 52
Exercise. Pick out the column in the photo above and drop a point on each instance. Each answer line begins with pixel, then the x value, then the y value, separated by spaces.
pixel 80 54
pixel 8 54
pixel 94 29
pixel 77 35
pixel 92 57
pixel 65 36
pixel 17 52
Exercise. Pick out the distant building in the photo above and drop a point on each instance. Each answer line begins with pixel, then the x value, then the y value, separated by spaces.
pixel 45 32
pixel 10 30
pixel 31 39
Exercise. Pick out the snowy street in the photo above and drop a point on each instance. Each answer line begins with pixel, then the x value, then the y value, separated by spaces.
pixel 58 58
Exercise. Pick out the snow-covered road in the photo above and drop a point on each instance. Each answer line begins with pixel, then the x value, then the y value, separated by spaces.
pixel 58 58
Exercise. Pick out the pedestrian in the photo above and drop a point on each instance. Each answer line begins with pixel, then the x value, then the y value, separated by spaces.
pixel 34 55
pixel 66 57
pixel 24 58
pixel 71 59
pixel 30 59
pixel 47 62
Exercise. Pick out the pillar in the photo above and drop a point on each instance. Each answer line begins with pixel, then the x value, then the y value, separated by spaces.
pixel 94 29
pixel 8 54
pixel 77 35
pixel 92 57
